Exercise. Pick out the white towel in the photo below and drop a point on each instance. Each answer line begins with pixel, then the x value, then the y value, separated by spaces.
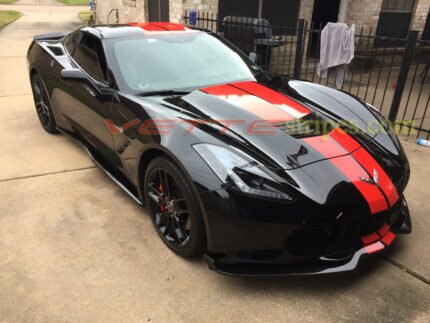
pixel 336 50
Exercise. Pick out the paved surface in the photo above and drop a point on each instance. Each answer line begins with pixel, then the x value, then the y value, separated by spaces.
pixel 74 247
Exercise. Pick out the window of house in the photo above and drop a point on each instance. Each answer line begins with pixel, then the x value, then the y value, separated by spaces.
pixel 131 3
pixel 398 5
pixel 426 32
pixel 394 21
pixel 275 11
pixel 90 57
pixel 158 10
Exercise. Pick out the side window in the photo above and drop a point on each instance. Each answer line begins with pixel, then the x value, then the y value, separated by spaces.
pixel 70 41
pixel 90 57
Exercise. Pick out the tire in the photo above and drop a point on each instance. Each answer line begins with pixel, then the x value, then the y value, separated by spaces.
pixel 177 215
pixel 43 105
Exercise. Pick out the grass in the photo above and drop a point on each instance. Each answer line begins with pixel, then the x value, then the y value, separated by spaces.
pixel 74 2
pixel 85 16
pixel 7 1
pixel 7 16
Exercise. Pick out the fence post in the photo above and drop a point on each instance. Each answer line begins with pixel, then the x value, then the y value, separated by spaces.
pixel 403 74
pixel 299 49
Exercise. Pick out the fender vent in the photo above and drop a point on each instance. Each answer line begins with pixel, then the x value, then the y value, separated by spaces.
pixel 57 51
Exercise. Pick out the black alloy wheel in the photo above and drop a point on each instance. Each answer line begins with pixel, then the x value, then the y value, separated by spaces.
pixel 43 105
pixel 174 208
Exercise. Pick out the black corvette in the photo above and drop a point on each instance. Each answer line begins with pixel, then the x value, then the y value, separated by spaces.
pixel 263 174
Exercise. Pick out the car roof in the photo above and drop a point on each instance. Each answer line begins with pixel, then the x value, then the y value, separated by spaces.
pixel 136 28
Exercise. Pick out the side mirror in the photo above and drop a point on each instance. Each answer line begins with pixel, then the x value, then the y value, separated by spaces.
pixel 73 74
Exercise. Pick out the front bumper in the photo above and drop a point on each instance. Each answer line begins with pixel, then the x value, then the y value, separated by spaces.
pixel 252 264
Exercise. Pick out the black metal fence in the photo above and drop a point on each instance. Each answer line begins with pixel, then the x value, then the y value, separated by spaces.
pixel 394 77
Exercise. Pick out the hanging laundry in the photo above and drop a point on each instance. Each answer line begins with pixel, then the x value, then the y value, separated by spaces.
pixel 336 50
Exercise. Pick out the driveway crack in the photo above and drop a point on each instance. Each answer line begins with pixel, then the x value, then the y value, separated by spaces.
pixel 407 270
pixel 45 174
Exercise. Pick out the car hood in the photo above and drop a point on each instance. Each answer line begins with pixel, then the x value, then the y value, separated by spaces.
pixel 278 126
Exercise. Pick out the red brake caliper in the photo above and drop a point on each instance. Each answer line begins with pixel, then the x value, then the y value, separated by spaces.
pixel 160 188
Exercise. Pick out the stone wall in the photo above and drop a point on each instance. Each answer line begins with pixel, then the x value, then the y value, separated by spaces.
pixel 128 10
pixel 137 10
pixel 363 13
pixel 209 6
pixel 306 10
pixel 420 14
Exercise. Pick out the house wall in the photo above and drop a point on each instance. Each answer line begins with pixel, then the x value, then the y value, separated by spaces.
pixel 420 15
pixel 306 9
pixel 128 10
pixel 179 8
pixel 362 13
pixel 137 10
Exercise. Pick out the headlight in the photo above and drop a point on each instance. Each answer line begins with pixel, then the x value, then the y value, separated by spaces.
pixel 241 173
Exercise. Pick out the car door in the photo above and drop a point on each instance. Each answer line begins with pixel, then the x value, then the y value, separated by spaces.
pixel 88 105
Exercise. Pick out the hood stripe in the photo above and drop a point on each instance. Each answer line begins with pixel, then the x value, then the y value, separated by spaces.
pixel 249 102
pixel 345 140
pixel 326 146
pixel 385 183
pixel 353 171
pixel 368 163
pixel 349 167
pixel 279 100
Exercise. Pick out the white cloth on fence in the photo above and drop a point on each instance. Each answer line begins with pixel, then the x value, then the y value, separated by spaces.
pixel 336 50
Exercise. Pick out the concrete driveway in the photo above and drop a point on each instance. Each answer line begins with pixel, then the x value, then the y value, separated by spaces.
pixel 74 247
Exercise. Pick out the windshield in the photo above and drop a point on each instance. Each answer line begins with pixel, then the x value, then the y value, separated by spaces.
pixel 178 61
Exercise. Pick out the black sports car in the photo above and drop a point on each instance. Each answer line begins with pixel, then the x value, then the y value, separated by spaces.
pixel 263 174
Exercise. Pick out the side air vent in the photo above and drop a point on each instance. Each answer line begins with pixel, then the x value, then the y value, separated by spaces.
pixel 57 51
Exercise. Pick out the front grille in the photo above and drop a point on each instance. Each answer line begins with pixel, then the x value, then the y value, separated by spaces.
pixel 338 236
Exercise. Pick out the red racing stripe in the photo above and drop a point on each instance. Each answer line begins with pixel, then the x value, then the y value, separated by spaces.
pixel 367 162
pixel 249 102
pixel 384 229
pixel 345 140
pixel 327 147
pixel 171 26
pixel 350 168
pixel 367 240
pixel 388 238
pixel 146 26
pixel 279 100
pixel 158 26
pixel 370 165
pixel 377 246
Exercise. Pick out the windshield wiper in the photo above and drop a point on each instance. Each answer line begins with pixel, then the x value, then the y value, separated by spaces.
pixel 163 92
